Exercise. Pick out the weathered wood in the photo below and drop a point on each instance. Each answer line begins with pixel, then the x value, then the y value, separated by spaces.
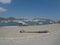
pixel 22 31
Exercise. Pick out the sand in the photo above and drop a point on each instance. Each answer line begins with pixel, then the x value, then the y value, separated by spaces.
pixel 10 35
pixel 14 31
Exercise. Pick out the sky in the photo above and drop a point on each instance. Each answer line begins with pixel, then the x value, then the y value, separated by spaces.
pixel 30 9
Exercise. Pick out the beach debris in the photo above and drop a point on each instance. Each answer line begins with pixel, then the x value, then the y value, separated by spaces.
pixel 23 31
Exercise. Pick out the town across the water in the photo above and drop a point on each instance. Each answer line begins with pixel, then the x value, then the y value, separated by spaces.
pixel 25 22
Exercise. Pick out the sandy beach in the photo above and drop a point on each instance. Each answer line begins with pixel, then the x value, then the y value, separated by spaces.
pixel 14 31
pixel 10 35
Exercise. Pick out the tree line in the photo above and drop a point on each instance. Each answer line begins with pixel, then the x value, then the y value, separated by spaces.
pixel 10 18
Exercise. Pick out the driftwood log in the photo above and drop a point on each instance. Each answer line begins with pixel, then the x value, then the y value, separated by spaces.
pixel 22 31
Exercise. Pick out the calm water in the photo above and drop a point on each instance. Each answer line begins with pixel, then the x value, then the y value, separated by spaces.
pixel 28 23
pixel 9 23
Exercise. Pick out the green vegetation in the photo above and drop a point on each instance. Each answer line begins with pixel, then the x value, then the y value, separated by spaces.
pixel 6 19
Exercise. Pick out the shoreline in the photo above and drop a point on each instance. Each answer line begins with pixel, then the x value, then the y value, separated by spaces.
pixel 14 31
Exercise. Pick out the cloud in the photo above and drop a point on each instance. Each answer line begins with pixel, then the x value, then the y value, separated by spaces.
pixel 5 1
pixel 2 9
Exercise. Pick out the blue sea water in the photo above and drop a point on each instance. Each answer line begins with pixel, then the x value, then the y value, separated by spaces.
pixel 9 23
pixel 28 23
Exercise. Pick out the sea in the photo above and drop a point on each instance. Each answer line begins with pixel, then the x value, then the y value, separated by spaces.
pixel 9 24
pixel 18 24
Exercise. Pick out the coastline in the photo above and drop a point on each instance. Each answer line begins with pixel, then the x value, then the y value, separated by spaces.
pixel 13 31
pixel 9 35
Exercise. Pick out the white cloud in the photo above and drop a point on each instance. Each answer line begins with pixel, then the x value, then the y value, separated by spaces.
pixel 2 9
pixel 5 1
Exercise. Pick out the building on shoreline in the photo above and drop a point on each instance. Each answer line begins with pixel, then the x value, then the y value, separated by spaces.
pixel 25 22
